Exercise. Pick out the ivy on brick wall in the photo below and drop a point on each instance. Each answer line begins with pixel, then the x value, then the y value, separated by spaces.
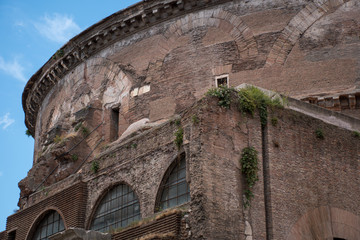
pixel 249 167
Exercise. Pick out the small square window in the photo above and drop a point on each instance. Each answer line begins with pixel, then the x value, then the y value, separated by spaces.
pixel 222 80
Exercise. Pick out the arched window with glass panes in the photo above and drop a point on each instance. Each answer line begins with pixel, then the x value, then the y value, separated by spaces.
pixel 50 224
pixel 117 209
pixel 174 189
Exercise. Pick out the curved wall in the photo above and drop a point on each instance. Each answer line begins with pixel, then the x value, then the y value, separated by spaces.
pixel 298 48
pixel 149 62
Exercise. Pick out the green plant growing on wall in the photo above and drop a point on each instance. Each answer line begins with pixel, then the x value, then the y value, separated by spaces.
pixel 319 133
pixel 178 122
pixel 195 119
pixel 356 134
pixel 58 139
pixel 252 98
pixel 85 130
pixel 95 166
pixel 59 53
pixel 223 93
pixel 248 100
pixel 78 126
pixel 274 121
pixel 179 134
pixel 28 133
pixel 249 167
pixel 74 157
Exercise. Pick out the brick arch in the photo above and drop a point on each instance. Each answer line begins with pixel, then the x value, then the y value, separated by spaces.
pixel 241 33
pixel 165 176
pixel 39 218
pixel 297 26
pixel 326 223
pixel 101 196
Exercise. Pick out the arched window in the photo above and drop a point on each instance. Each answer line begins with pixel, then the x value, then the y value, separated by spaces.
pixel 118 208
pixel 174 189
pixel 49 225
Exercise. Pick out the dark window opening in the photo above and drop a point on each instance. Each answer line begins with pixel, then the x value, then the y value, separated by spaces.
pixel 357 100
pixel 114 125
pixel 344 102
pixel 49 225
pixel 12 235
pixel 339 238
pixel 118 208
pixel 174 188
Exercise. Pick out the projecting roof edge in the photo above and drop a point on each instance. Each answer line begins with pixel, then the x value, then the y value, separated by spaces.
pixel 97 37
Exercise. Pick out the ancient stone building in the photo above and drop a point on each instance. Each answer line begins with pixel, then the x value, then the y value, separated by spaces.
pixel 127 145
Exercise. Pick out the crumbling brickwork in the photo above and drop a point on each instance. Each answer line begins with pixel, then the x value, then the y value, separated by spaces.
pixel 105 109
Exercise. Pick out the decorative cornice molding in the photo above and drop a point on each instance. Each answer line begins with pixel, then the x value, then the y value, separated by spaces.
pixel 108 31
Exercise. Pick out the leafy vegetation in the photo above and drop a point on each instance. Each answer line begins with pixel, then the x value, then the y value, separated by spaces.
pixel 319 133
pixel 356 134
pixel 28 133
pixel 223 93
pixel 249 167
pixel 179 134
pixel 274 121
pixel 95 166
pixel 74 157
pixel 58 139
pixel 59 53
pixel 78 126
pixel 195 119
pixel 248 100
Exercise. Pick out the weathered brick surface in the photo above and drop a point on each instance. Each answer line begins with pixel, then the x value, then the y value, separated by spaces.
pixel 70 204
pixel 305 49
pixel 307 172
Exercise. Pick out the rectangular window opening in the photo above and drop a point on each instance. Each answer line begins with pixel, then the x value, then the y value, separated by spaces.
pixel 222 80
pixel 12 235
pixel 114 125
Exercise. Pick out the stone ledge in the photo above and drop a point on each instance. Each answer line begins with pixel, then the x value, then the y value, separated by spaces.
pixel 78 233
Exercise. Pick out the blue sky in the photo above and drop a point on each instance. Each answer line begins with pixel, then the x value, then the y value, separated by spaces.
pixel 31 31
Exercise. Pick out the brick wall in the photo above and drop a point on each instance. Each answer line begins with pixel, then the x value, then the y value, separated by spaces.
pixel 307 172
pixel 70 203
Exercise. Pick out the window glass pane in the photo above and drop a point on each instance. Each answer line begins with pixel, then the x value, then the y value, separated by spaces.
pixel 48 226
pixel 182 188
pixel 182 199
pixel 173 202
pixel 43 232
pixel 61 227
pixel 175 191
pixel 182 173
pixel 56 217
pixel 137 210
pixel 117 212
pixel 131 211
pixel 165 194
pixel 50 229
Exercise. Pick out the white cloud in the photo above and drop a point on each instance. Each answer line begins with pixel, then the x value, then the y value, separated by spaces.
pixel 13 69
pixel 19 23
pixel 6 121
pixel 58 28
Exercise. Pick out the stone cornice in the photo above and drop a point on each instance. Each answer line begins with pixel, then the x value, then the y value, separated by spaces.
pixel 97 37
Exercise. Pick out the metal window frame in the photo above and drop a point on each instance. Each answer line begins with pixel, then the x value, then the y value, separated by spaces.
pixel 125 205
